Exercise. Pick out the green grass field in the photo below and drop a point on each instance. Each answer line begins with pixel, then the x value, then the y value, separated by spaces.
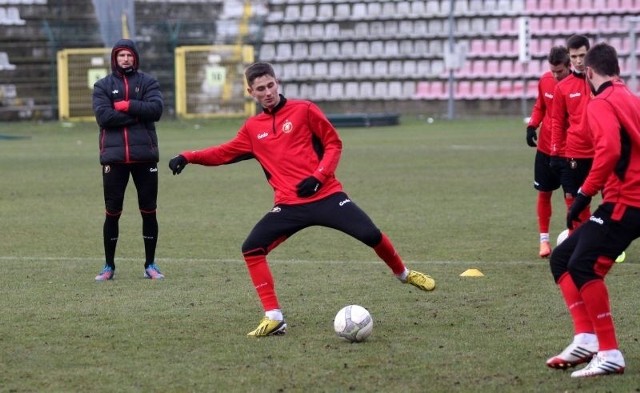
pixel 451 196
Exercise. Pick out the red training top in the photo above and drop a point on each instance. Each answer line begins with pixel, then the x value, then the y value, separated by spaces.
pixel 541 113
pixel 569 135
pixel 614 119
pixel 292 142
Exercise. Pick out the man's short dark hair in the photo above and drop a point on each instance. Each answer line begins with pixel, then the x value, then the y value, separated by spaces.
pixel 603 59
pixel 578 41
pixel 256 70
pixel 559 55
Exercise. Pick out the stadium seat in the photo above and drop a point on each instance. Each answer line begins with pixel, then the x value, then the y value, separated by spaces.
pixel 283 51
pixel 395 68
pixel 5 65
pixel 491 89
pixel 391 48
pixel 325 12
pixel 374 9
pixel 308 13
pixel 362 49
pixel 317 30
pixel 409 68
pixel 408 89
pixel 332 30
pixel 336 91
pixel 290 90
pixel 331 50
pixel 366 68
pixel 418 8
pixel 423 68
pixel 381 69
pixel 394 91
pixel 366 90
pixel 406 47
pixel 380 90
pixel 389 8
pixel 300 51
pixel 336 69
pixel 321 91
pixel 347 49
pixel 361 29
pixel 301 30
pixel 351 90
pixel 358 12
pixel 267 52
pixel 433 7
pixel 403 9
pixel 376 29
pixel 290 71
pixel 292 12
pixel 342 11
pixel 376 49
pixel 390 28
pixel 351 69
pixel 320 70
pixel 420 28
pixel 463 90
pixel 316 50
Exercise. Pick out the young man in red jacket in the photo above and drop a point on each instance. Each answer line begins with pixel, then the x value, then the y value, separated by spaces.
pixel 545 179
pixel 571 145
pixel 581 262
pixel 298 149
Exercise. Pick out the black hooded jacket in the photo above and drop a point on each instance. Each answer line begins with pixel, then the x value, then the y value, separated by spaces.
pixel 127 137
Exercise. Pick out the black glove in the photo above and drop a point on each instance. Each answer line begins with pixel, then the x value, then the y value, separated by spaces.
pixel 177 164
pixel 532 137
pixel 580 203
pixel 308 187
pixel 557 164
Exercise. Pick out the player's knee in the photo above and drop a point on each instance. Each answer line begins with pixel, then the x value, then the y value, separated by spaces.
pixel 371 237
pixel 558 266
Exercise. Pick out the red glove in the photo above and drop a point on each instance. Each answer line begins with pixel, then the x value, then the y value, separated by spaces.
pixel 122 106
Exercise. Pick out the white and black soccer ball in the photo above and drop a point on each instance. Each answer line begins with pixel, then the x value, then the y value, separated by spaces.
pixel 353 323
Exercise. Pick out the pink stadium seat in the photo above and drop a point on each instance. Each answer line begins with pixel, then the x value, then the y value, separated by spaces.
pixel 463 90
pixel 477 89
pixel 492 68
pixel 491 89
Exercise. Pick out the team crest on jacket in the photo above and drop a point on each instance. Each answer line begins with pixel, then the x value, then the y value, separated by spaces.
pixel 287 127
pixel 107 168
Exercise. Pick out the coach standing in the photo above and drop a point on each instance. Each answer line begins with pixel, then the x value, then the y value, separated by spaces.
pixel 127 103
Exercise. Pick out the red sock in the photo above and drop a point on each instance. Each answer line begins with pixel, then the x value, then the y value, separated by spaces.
pixel 262 281
pixel 596 300
pixel 544 210
pixel 388 254
pixel 575 304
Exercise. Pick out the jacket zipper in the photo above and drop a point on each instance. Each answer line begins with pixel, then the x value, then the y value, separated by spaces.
pixel 126 129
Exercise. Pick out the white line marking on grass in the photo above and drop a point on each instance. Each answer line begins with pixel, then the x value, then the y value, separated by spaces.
pixel 235 260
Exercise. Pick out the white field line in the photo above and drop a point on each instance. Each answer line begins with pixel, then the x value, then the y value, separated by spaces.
pixel 235 260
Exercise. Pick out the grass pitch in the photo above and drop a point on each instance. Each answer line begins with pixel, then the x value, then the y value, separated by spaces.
pixel 451 196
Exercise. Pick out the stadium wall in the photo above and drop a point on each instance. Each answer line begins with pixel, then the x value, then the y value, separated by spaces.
pixel 349 56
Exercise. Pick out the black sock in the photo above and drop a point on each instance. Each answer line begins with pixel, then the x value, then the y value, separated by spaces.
pixel 110 232
pixel 150 236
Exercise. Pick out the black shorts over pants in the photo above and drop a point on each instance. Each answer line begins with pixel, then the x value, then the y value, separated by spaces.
pixel 336 211
pixel 590 250
pixel 544 178
pixel 114 182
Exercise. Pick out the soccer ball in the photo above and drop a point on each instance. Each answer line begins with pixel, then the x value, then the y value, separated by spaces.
pixel 562 237
pixel 353 323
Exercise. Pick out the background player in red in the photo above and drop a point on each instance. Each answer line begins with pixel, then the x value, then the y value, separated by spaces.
pixel 298 149
pixel 581 262
pixel 546 180
pixel 571 145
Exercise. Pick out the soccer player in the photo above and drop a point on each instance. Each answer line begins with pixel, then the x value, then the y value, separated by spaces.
pixel 545 179
pixel 298 149
pixel 127 103
pixel 581 262
pixel 571 145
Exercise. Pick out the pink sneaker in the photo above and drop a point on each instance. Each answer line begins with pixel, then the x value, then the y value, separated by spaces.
pixel 153 272
pixel 106 274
